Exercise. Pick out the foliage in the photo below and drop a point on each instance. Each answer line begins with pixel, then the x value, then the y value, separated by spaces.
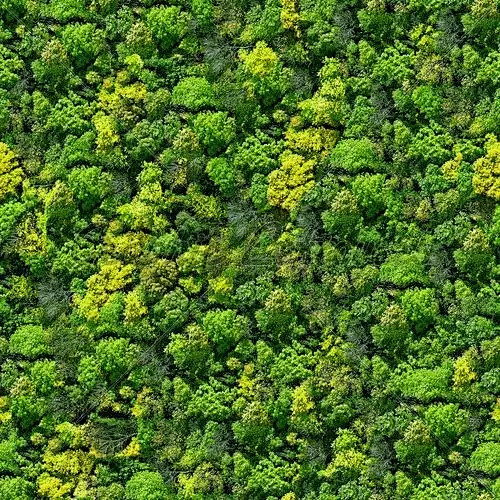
pixel 193 93
pixel 147 485
pixel 404 269
pixel 355 155
pixel 10 173
pixel 214 130
pixel 487 172
pixel 249 249
pixel 289 183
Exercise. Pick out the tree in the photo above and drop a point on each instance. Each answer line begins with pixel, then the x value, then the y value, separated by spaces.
pixel 167 24
pixel 30 341
pixel 417 446
pixel 221 173
pixel 475 255
pixel 446 422
pixel 115 356
pixel 224 328
pixel 202 12
pixel 267 78
pixel 193 93
pixel 486 178
pixel 191 349
pixel 428 101
pixel 464 372
pixel 420 306
pixel 258 153
pixel 59 208
pixel 11 175
pixel 369 192
pixel 147 485
pixel 10 213
pixel 15 488
pixel 215 130
pixel 139 40
pixel 485 458
pixel 261 61
pixel 348 463
pixel 106 131
pixel 54 66
pixel 355 155
pixel 83 42
pixel 289 183
pixel 404 269
pixel 112 276
pixel 393 331
pixel 271 476
pixel 89 185
pixel 327 106
pixel 425 384
pixel 343 217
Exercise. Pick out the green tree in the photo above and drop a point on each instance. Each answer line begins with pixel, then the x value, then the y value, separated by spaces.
pixel 404 269
pixel 485 458
pixel 147 485
pixel 214 130
pixel 167 24
pixel 420 306
pixel 446 422
pixel 224 327
pixel 11 175
pixel 83 42
pixel 15 488
pixel 221 174
pixel 30 341
pixel 355 155
pixel 392 332
pixel 193 93
pixel 343 217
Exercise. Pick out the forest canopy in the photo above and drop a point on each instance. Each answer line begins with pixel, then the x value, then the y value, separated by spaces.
pixel 248 249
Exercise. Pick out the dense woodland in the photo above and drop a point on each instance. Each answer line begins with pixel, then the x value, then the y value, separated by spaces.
pixel 248 249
